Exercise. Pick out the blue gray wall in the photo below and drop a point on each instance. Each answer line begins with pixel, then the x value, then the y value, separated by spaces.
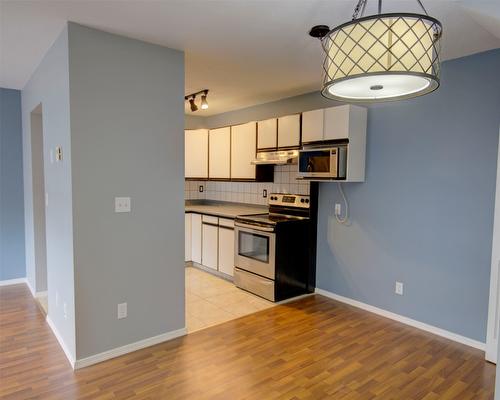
pixel 49 86
pixel 12 260
pixel 424 216
pixel 127 120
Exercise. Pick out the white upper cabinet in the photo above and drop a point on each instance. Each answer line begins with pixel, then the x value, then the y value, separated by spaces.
pixel 196 153
pixel 267 134
pixel 312 126
pixel 243 150
pixel 289 131
pixel 219 155
pixel 344 122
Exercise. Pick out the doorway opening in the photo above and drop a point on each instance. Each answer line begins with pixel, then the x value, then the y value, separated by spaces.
pixel 39 204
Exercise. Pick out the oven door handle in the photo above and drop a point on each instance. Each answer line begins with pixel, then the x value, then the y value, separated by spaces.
pixel 254 227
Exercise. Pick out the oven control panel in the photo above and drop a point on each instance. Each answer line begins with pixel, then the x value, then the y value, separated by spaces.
pixel 289 200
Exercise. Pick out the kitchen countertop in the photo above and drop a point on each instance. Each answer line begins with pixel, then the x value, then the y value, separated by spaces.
pixel 224 209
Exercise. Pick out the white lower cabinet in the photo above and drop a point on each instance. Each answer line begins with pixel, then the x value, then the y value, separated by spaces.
pixel 226 250
pixel 210 241
pixel 187 237
pixel 196 238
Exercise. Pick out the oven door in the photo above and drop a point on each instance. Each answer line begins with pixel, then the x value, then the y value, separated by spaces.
pixel 255 249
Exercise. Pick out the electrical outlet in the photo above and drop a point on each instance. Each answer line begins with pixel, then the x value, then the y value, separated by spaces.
pixel 65 310
pixel 338 208
pixel 264 193
pixel 200 188
pixel 122 310
pixel 122 204
pixel 399 288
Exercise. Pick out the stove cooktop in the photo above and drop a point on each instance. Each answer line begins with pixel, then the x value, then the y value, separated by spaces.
pixel 269 218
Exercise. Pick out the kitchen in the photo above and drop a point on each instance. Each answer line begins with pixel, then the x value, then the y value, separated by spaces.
pixel 251 195
pixel 286 236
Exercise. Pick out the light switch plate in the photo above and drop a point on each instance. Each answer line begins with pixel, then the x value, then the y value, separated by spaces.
pixel 122 310
pixel 399 288
pixel 122 204
pixel 59 155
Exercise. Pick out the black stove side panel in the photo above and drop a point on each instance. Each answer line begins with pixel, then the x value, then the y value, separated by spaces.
pixel 292 259
pixel 313 233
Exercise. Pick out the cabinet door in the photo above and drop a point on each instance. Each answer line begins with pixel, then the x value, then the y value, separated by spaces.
pixel 312 126
pixel 219 154
pixel 289 131
pixel 210 245
pixel 196 238
pixel 243 146
pixel 267 134
pixel 187 237
pixel 226 250
pixel 196 153
pixel 337 122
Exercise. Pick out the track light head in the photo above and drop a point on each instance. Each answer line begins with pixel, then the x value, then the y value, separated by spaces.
pixel 194 107
pixel 204 103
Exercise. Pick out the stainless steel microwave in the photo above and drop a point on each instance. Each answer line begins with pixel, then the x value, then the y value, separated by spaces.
pixel 323 163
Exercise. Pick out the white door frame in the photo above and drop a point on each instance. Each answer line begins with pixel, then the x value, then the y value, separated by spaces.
pixel 494 306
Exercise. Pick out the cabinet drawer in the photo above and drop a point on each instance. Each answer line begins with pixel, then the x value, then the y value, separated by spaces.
pixel 210 220
pixel 229 223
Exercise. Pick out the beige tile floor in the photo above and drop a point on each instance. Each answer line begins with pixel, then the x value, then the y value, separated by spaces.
pixel 211 300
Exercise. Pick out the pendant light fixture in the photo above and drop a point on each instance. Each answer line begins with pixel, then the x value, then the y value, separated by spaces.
pixel 192 97
pixel 380 57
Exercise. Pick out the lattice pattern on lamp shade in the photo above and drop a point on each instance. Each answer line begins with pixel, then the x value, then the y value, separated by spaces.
pixel 401 43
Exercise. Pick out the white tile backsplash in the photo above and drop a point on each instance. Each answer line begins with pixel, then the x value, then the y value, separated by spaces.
pixel 248 192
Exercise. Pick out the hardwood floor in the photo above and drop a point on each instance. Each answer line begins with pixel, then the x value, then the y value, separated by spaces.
pixel 314 348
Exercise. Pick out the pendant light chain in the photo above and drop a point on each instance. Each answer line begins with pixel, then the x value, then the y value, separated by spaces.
pixel 422 6
pixel 359 7
pixel 359 10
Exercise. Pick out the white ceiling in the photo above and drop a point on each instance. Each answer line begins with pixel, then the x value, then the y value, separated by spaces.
pixel 245 51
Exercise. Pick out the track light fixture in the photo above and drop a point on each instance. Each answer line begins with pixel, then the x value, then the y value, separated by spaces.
pixel 204 103
pixel 192 97
pixel 194 107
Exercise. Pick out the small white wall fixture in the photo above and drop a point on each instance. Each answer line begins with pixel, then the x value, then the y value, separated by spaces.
pixel 494 306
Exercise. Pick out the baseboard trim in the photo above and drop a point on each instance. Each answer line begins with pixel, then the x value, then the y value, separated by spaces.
pixel 33 293
pixel 405 320
pixel 129 348
pixel 41 294
pixel 17 281
pixel 61 341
